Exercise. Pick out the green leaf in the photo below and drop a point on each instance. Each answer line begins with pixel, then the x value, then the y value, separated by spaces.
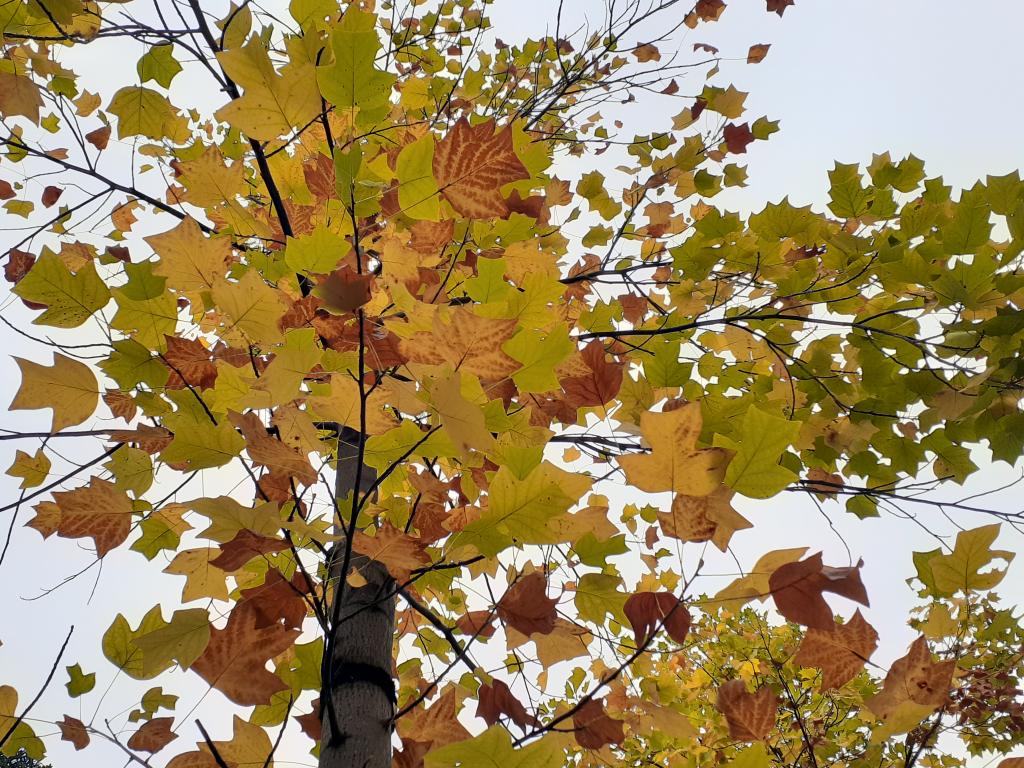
pixel 493 749
pixel 539 354
pixel 755 471
pixel 144 112
pixel 417 187
pixel 198 442
pixel 353 80
pixel 70 299
pixel 961 570
pixel 159 64
pixel 119 644
pixel 78 682
pixel 182 640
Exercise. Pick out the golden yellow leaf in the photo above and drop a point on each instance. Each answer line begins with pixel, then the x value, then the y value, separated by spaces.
pixel 68 387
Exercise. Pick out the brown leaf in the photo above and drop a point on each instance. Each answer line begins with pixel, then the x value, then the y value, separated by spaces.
pixel 468 342
pixel 47 519
pixel 191 364
pixel 797 589
pixel 120 403
pixel 709 10
pixel 647 611
pixel 757 53
pixel 431 236
pixel 479 623
pixel 72 729
pixel 6 190
pixel 235 660
pixel 344 290
pixel 310 722
pixel 593 728
pixel 437 724
pixel 598 387
pixel 915 679
pixel 100 137
pixel 268 451
pixel 278 600
pixel 153 736
pixel 703 518
pixel 526 606
pixel 472 164
pixel 496 699
pixel 50 196
pixel 839 652
pixel 244 547
pixel 150 439
pixel 319 175
pixel 779 6
pixel 737 137
pixel 399 552
pixel 1011 762
pixel 750 715
pixel 647 52
pixel 100 511
pixel 705 47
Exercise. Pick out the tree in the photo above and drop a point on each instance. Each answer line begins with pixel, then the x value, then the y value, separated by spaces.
pixel 20 760
pixel 366 292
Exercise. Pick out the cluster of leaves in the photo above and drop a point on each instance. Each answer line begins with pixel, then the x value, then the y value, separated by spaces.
pixel 365 248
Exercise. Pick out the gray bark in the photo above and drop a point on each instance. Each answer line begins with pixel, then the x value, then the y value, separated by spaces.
pixel 357 674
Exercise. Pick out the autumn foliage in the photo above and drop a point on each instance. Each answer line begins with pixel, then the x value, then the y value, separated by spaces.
pixel 493 380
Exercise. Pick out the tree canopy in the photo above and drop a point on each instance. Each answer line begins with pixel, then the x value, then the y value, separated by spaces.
pixel 491 374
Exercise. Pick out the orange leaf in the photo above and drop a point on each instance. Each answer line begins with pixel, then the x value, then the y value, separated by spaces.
pixel 750 715
pixel 472 164
pixel 915 679
pixel 647 611
pixel 72 729
pixel 593 728
pixel 399 552
pixel 839 652
pixel 99 511
pixel 235 660
pixel 266 450
pixel 703 518
pixel 797 589
pixel 437 724
pixel 470 343
pixel 190 362
pixel 153 736
pixel 100 137
pixel 757 53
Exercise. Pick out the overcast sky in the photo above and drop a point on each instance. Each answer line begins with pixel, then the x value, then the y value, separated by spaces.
pixel 940 78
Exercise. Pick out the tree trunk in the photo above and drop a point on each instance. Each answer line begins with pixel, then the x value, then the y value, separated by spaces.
pixel 357 700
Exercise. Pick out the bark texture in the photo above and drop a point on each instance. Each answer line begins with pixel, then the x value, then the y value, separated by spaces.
pixel 357 702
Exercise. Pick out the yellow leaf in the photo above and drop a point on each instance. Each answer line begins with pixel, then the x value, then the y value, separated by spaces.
pixel 19 96
pixel 68 387
pixel 675 463
pixel 461 419
pixel 191 261
pixel 33 470
pixel 201 578
pixel 253 307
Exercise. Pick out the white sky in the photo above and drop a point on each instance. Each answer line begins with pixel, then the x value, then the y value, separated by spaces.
pixel 936 77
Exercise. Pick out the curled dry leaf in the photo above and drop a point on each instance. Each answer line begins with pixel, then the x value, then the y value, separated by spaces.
pixel 797 589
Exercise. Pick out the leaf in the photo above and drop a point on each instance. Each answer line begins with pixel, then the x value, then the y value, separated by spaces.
pixel 353 81
pixel 600 385
pixel 78 682
pixel 68 299
pixel 399 552
pixel 22 737
pixel 675 463
pixel 779 6
pixel 593 728
pixel 190 362
pixel 344 290
pixel 50 196
pixel 253 307
pixel 273 103
pixel 268 451
pixel 99 511
pixel 470 343
pixel 493 749
pixel 244 547
pixel 751 716
pixel 153 736
pixel 757 53
pixel 703 518
pixel 33 470
pixel 191 261
pixel 756 583
pixel 649 611
pixel 159 64
pixel 198 442
pixel 19 96
pixel 737 137
pixel 202 578
pixel 235 660
pixel 754 470
pixel 437 724
pixel 181 640
pixel 145 112
pixel 915 686
pixel 472 164
pixel 961 570
pixel 417 188
pixel 840 652
pixel 797 590
pixel 496 700
pixel 72 729
pixel 539 355
pixel 526 606
pixel 119 644
pixel 462 420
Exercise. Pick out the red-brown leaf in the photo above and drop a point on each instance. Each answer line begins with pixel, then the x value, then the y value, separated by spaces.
pixel 278 600
pixel 779 6
pixel 344 290
pixel 647 611
pixel 797 589
pixel 18 264
pixel 480 623
pixel 72 729
pixel 190 364
pixel 100 137
pixel 737 137
pixel 51 195
pixel 598 387
pixel 244 547
pixel 6 190
pixel 526 606
pixel 496 700
pixel 593 728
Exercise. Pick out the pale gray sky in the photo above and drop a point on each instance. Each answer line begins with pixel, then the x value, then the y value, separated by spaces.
pixel 935 77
